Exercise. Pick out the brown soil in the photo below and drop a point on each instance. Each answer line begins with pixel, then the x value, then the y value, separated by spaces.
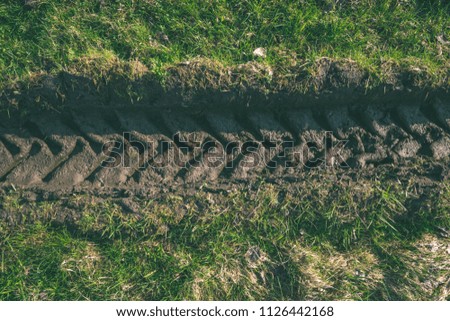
pixel 91 148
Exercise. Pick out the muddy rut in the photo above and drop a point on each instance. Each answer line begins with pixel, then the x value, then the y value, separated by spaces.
pixel 94 148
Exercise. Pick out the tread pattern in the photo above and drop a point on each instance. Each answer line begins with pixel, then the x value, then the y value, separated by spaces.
pixel 75 149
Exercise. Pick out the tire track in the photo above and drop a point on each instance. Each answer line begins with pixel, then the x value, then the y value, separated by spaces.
pixel 7 160
pixel 311 138
pixel 441 113
pixel 18 146
pixel 135 148
pixel 148 143
pixel 195 148
pixel 274 136
pixel 108 168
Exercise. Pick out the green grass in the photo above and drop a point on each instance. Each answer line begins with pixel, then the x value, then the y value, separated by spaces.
pixel 325 242
pixel 58 34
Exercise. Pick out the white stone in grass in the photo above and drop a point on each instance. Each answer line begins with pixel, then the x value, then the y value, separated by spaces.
pixel 260 52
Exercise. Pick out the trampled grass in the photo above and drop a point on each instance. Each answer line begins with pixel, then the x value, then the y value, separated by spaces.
pixel 51 35
pixel 326 242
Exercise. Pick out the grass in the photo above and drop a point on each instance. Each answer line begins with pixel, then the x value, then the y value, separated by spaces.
pixel 55 35
pixel 368 241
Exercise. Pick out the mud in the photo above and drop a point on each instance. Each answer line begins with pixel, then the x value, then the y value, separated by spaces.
pixel 423 180
pixel 99 149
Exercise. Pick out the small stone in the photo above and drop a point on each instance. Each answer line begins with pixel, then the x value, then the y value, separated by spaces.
pixel 260 52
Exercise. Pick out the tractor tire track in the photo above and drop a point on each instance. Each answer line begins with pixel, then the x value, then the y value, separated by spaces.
pixel 135 148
